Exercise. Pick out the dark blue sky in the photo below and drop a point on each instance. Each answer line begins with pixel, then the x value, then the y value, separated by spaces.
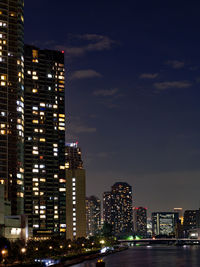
pixel 132 92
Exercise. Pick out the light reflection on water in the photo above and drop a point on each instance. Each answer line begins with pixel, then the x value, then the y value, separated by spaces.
pixel 188 256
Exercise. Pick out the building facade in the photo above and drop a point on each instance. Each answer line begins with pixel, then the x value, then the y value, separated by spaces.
pixel 93 215
pixel 118 208
pixel 164 223
pixel 45 182
pixel 75 193
pixel 191 220
pixel 12 102
pixel 140 221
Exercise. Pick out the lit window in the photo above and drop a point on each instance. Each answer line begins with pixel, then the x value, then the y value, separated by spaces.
pixel 62 189
pixel 3 83
pixel 3 77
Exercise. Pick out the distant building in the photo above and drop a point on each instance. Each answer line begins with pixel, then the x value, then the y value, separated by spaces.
pixel 164 223
pixel 191 220
pixel 149 227
pixel 180 213
pixel 140 221
pixel 93 215
pixel 44 147
pixel 75 193
pixel 107 207
pixel 119 205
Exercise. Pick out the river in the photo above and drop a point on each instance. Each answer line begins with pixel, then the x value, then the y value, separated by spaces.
pixel 152 256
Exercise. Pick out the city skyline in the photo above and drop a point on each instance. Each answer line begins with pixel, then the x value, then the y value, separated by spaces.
pixel 133 79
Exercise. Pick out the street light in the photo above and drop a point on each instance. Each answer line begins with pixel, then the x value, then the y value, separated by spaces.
pixel 102 242
pixel 69 246
pixel 23 250
pixel 4 252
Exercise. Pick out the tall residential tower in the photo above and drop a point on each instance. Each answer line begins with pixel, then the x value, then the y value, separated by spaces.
pixel 118 208
pixel 45 183
pixel 12 102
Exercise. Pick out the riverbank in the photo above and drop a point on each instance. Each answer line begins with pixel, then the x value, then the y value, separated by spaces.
pixel 82 258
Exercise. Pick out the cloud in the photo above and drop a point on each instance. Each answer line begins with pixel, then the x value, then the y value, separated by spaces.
pixel 94 42
pixel 174 84
pixel 148 75
pixel 175 64
pixel 84 74
pixel 109 92
pixel 83 129
pixel 78 126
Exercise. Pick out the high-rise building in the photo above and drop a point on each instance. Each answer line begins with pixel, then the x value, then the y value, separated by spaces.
pixel 107 207
pixel 93 215
pixel 164 223
pixel 191 220
pixel 118 208
pixel 140 221
pixel 12 102
pixel 75 193
pixel 45 182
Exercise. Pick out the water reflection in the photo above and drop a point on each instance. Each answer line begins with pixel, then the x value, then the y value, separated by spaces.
pixel 152 257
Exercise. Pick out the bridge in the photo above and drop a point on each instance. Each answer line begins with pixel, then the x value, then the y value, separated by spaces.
pixel 160 241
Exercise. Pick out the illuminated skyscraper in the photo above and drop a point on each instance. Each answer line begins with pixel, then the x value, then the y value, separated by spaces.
pixel 107 207
pixel 118 208
pixel 45 182
pixel 12 102
pixel 140 221
pixel 93 215
pixel 75 193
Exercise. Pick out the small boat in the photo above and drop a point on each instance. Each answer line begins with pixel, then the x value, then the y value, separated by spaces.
pixel 100 263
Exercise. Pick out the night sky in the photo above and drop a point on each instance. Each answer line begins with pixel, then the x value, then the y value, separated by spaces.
pixel 132 92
